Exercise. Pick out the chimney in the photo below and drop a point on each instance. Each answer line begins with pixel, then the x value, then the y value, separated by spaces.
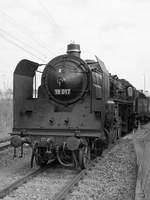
pixel 73 49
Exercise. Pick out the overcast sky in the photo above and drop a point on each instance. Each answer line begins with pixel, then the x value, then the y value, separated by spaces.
pixel 117 31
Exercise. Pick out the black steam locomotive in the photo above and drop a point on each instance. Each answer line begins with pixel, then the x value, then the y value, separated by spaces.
pixel 78 109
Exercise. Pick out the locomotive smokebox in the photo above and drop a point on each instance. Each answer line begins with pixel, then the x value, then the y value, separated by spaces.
pixel 73 49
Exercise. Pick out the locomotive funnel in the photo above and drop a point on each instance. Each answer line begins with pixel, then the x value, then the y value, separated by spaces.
pixel 73 49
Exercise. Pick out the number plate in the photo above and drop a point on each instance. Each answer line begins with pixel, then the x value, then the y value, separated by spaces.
pixel 62 91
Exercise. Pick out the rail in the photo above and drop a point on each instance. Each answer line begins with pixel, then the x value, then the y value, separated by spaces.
pixel 4 192
pixel 67 188
pixel 4 146
pixel 63 193
pixel 5 143
pixel 5 139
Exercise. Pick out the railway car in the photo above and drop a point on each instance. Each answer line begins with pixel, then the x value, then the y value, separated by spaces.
pixel 79 108
pixel 147 114
pixel 124 95
pixel 143 106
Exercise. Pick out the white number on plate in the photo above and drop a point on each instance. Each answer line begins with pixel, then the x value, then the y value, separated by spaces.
pixel 62 91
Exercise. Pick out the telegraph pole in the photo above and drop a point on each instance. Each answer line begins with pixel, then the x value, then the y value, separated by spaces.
pixel 144 82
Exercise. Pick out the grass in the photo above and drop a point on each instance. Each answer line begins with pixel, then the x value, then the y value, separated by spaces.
pixel 6 116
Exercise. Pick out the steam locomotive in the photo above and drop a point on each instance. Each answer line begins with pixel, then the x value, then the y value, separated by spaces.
pixel 79 108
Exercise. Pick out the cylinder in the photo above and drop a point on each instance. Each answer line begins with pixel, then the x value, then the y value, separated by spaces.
pixel 73 49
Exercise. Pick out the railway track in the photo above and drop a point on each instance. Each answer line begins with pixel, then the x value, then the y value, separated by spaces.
pixel 4 192
pixel 4 143
pixel 67 188
pixel 73 180
pixel 5 139
pixel 18 183
pixel 62 192
pixel 58 196
pixel 4 146
pixel 65 191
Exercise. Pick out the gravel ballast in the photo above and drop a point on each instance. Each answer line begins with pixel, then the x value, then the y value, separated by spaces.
pixel 112 178
pixel 44 186
pixel 11 169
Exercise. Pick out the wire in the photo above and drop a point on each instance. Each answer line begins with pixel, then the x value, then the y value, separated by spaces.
pixel 15 38
pixel 19 46
pixel 23 29
pixel 5 34
pixel 46 14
